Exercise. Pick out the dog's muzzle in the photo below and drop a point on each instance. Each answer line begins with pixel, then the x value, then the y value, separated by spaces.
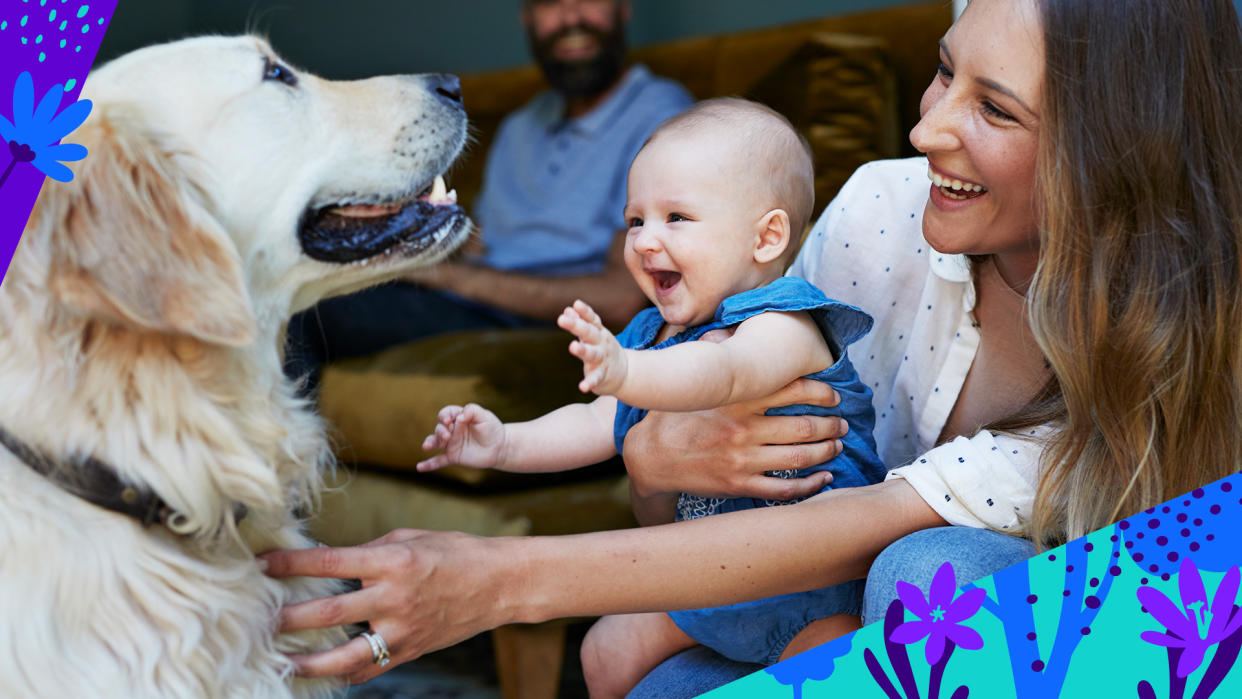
pixel 329 237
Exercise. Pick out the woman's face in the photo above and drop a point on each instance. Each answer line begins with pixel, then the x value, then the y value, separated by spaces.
pixel 979 129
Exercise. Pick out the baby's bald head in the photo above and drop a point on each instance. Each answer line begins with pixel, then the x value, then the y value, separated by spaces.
pixel 771 157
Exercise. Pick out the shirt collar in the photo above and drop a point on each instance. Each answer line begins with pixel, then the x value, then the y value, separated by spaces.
pixel 610 109
pixel 951 268
pixel 955 269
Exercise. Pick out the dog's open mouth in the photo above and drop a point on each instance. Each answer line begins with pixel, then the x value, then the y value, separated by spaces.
pixel 353 232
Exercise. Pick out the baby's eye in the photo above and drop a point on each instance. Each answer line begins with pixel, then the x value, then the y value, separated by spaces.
pixel 635 222
pixel 674 218
pixel 943 71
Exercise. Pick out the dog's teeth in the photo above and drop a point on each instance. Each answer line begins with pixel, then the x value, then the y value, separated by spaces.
pixel 452 196
pixel 437 189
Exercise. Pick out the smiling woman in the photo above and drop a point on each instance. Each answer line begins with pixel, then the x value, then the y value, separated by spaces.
pixel 1104 184
pixel 980 127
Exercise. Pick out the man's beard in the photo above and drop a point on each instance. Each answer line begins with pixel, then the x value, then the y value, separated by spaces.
pixel 588 77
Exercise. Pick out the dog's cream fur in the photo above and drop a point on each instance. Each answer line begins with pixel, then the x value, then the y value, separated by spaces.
pixel 140 324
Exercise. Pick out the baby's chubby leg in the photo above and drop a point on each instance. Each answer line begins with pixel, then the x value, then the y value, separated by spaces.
pixel 821 631
pixel 620 649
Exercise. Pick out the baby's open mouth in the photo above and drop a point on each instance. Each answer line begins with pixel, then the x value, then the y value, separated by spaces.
pixel 955 189
pixel 665 280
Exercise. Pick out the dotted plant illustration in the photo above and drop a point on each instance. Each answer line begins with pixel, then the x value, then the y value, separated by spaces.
pixel 939 618
pixel 34 133
pixel 1040 666
pixel 1158 538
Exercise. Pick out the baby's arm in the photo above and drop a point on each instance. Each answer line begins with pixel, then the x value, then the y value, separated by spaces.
pixel 765 353
pixel 569 437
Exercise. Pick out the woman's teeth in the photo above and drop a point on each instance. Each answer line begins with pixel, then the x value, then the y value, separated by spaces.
pixel 955 189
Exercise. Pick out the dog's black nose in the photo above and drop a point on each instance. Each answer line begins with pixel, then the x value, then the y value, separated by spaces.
pixel 446 86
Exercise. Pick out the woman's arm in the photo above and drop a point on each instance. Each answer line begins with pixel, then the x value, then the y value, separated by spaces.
pixel 612 291
pixel 426 590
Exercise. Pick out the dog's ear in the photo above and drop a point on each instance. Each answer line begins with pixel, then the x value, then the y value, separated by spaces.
pixel 133 242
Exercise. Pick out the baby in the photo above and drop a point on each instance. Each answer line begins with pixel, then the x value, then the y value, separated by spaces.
pixel 716 197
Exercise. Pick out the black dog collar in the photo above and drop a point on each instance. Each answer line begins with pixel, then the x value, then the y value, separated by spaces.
pixel 97 483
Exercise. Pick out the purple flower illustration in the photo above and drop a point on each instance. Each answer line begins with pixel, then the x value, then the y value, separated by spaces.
pixel 1195 626
pixel 33 134
pixel 939 616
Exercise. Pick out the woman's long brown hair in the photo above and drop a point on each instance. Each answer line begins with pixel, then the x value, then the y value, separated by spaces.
pixel 1137 301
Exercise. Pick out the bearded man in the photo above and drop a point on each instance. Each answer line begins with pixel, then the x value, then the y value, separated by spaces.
pixel 549 209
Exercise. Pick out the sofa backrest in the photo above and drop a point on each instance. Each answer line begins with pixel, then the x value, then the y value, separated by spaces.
pixel 851 84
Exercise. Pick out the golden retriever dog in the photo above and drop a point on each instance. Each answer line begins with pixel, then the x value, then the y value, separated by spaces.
pixel 149 442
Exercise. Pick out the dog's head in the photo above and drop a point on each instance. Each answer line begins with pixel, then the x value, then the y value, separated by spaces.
pixel 225 190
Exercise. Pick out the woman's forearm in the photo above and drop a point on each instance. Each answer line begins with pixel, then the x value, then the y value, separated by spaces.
pixel 425 590
pixel 722 559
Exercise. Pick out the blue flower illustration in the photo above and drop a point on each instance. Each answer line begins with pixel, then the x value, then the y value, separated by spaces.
pixel 33 134
pixel 939 615
pixel 815 664
pixel 1195 626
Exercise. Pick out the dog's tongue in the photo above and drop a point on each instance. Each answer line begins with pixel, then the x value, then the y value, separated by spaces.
pixel 365 210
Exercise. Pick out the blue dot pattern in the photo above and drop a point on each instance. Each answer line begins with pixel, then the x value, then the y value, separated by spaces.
pixel 36 28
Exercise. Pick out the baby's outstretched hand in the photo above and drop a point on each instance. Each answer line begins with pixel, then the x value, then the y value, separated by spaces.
pixel 603 358
pixel 471 436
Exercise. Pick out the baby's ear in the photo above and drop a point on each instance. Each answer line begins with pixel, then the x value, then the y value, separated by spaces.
pixel 773 237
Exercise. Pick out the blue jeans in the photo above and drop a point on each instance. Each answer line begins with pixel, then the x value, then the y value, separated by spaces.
pixel 974 553
pixel 378 318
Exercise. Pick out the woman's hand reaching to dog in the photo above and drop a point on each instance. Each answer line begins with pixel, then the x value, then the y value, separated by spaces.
pixel 421 591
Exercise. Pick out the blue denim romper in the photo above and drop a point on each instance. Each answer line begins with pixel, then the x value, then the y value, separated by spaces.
pixel 758 631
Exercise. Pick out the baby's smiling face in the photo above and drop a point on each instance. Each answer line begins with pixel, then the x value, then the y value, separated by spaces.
pixel 694 215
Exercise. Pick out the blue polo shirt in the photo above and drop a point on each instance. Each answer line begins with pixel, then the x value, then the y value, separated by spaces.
pixel 553 189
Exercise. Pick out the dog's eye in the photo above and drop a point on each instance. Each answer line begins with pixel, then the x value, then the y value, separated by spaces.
pixel 274 71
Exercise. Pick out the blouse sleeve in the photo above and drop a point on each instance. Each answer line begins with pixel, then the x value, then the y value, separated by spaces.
pixel 986 481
